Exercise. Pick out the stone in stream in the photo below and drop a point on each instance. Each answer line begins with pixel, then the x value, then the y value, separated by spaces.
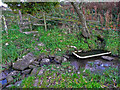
pixel 34 71
pixel 35 63
pixel 26 71
pixel 39 58
pixel 2 75
pixel 8 86
pixel 66 56
pixel 107 58
pixel 45 61
pixel 98 62
pixel 58 59
pixel 23 64
pixel 18 83
pixel 64 59
pixel 14 73
pixel 9 79
pixel 32 66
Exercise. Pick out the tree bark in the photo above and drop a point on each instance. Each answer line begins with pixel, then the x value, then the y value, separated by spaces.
pixel 85 31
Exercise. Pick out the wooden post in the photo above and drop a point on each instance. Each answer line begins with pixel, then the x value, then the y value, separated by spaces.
pixel 29 20
pixel 6 29
pixel 21 21
pixel 44 21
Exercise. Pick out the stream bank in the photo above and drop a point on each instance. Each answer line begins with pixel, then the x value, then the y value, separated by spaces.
pixel 29 65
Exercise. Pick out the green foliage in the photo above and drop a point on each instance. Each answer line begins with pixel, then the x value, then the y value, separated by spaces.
pixel 28 82
pixel 32 7
pixel 55 77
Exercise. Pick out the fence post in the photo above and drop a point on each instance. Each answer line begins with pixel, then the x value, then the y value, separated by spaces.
pixel 29 20
pixel 45 21
pixel 20 20
pixel 6 29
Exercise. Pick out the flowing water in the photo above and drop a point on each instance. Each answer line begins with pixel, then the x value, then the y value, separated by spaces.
pixel 96 64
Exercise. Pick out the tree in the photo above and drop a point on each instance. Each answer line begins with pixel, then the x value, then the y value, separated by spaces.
pixel 85 31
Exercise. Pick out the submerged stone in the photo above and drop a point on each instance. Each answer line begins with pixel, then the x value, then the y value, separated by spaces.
pixel 14 73
pixel 26 71
pixel 107 58
pixel 9 79
pixel 45 61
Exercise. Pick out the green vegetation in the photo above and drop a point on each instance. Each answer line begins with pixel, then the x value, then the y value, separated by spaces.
pixel 60 77
pixel 56 41
pixel 32 7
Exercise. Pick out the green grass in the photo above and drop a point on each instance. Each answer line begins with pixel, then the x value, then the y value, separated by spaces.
pixel 55 77
pixel 56 42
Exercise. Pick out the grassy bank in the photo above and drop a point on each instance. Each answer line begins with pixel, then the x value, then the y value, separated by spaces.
pixel 56 41
pixel 64 76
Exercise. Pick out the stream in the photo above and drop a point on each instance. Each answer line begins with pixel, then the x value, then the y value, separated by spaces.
pixel 96 64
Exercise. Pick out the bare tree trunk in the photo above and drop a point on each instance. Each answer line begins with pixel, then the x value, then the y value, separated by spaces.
pixel 82 19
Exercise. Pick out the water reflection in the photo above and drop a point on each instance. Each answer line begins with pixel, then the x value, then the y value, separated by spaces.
pixel 3 81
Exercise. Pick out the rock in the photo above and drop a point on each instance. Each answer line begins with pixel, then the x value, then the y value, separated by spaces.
pixel 35 63
pixel 26 71
pixel 98 62
pixel 45 61
pixel 64 59
pixel 2 75
pixel 8 86
pixel 40 44
pixel 107 58
pixel 42 56
pixel 32 66
pixel 58 59
pixel 41 72
pixel 114 55
pixel 9 79
pixel 18 83
pixel 14 73
pixel 23 64
pixel 66 56
pixel 34 71
pixel 36 82
pixel 29 56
